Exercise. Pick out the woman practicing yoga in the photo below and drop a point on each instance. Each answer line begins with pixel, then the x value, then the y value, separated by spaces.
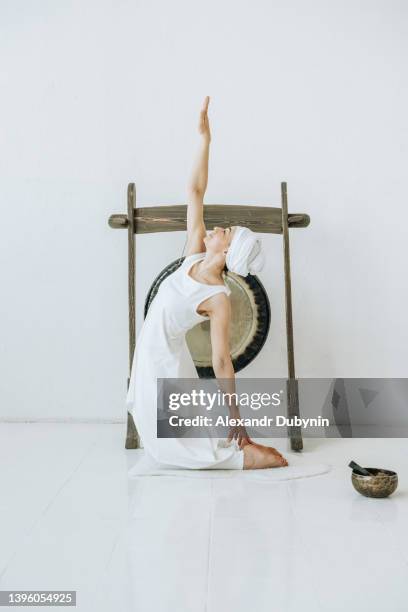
pixel 196 292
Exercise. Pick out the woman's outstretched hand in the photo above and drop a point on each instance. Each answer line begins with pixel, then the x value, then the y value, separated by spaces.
pixel 204 124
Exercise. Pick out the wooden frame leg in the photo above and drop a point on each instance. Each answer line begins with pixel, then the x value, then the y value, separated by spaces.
pixel 132 436
pixel 292 392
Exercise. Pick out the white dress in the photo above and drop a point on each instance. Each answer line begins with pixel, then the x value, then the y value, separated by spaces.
pixel 162 352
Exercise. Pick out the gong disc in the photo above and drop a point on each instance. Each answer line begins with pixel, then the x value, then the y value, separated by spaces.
pixel 249 325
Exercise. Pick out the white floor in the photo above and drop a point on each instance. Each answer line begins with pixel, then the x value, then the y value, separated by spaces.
pixel 71 520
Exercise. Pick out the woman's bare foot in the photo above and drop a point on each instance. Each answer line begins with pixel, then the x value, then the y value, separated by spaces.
pixel 270 448
pixel 257 456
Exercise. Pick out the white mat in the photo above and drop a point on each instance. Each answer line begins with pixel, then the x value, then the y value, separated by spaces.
pixel 299 467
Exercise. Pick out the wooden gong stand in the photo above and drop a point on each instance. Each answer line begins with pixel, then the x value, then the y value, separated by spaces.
pixel 265 219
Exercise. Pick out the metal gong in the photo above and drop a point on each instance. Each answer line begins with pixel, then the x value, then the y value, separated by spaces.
pixel 249 325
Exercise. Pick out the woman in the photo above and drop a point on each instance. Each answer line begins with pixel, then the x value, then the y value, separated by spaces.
pixel 193 293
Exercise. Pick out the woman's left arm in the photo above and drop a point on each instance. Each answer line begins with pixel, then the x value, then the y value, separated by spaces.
pixel 219 310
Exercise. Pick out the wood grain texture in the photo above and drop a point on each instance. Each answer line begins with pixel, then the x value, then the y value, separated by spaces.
pixel 132 436
pixel 265 219
pixel 292 386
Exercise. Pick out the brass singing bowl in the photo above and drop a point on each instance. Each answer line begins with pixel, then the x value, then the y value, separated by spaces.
pixel 249 325
pixel 381 483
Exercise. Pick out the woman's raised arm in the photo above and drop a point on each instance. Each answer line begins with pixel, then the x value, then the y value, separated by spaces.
pixel 197 185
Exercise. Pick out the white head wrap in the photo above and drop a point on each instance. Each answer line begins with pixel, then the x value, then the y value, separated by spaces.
pixel 244 254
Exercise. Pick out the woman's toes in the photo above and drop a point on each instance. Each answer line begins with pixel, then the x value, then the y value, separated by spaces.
pixel 281 460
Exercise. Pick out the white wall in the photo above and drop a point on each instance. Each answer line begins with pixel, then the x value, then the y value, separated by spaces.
pixel 97 94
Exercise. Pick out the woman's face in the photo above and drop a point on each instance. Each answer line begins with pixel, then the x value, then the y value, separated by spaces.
pixel 219 239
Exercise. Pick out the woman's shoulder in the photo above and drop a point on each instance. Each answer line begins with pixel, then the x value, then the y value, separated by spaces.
pixel 219 306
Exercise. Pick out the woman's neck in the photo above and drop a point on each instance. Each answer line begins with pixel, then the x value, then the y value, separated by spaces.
pixel 211 267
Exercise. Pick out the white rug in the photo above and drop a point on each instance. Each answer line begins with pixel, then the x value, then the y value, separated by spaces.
pixel 299 467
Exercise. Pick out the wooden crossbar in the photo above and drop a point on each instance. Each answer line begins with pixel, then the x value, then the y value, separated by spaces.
pixel 172 218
